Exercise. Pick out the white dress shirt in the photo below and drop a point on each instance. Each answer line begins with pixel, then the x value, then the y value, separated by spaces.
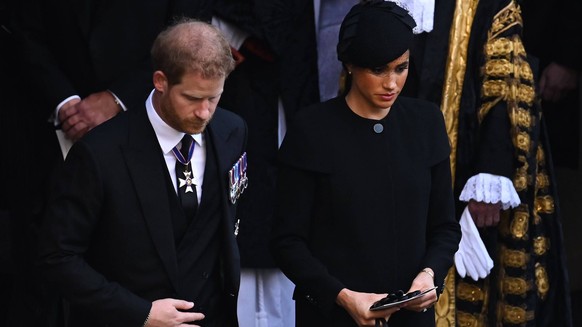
pixel 168 138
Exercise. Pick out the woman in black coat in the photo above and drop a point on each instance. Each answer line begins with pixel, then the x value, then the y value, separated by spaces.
pixel 365 202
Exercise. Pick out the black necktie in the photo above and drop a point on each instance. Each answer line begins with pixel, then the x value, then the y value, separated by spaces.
pixel 185 177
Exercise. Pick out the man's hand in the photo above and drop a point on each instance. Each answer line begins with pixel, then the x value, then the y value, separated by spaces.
pixel 485 214
pixel 556 81
pixel 166 313
pixel 358 305
pixel 79 117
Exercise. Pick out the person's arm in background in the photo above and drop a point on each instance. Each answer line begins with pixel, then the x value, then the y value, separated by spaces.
pixel 99 54
pixel 65 106
pixel 491 189
pixel 557 80
pixel 486 193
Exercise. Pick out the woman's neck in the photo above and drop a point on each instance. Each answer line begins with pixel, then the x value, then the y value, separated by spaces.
pixel 365 109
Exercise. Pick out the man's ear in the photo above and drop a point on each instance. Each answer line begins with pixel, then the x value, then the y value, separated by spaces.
pixel 160 81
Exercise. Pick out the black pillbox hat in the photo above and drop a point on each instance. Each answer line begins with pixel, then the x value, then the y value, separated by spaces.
pixel 374 33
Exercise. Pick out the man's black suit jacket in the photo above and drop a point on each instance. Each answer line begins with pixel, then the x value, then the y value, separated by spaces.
pixel 108 242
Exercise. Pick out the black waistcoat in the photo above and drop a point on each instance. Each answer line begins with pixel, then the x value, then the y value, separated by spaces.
pixel 198 250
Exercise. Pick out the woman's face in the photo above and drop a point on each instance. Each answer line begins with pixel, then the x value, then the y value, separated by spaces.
pixel 374 90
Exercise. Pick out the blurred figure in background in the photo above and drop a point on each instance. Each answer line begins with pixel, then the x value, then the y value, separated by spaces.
pixel 554 39
pixel 273 42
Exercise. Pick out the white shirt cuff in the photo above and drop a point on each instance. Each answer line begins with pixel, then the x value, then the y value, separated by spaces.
pixel 118 101
pixel 55 119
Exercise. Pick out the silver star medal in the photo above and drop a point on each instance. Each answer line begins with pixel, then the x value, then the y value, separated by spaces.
pixel 188 181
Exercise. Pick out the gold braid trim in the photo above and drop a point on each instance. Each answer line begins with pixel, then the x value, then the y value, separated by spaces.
pixel 455 70
pixel 451 100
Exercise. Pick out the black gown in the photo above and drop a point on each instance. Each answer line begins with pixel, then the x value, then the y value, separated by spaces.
pixel 363 210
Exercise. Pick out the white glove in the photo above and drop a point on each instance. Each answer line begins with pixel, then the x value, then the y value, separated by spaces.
pixel 472 258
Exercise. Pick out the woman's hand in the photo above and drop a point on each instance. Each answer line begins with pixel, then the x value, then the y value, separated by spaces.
pixel 423 281
pixel 358 305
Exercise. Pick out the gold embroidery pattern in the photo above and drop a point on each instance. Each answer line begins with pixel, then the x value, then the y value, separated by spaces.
pixel 520 180
pixel 501 47
pixel 545 204
pixel 507 18
pixel 507 75
pixel 521 118
pixel 469 292
pixel 465 319
pixel 542 281
pixel 515 286
pixel 524 71
pixel 499 68
pixel 515 315
pixel 514 258
pixel 519 224
pixel 541 245
pixel 523 141
pixel 542 180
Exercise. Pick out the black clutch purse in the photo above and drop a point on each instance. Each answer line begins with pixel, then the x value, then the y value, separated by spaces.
pixel 398 297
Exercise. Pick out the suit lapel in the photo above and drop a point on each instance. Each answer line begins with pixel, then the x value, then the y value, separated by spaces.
pixel 220 134
pixel 148 172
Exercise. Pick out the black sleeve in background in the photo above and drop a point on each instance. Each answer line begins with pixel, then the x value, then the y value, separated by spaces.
pixel 495 150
